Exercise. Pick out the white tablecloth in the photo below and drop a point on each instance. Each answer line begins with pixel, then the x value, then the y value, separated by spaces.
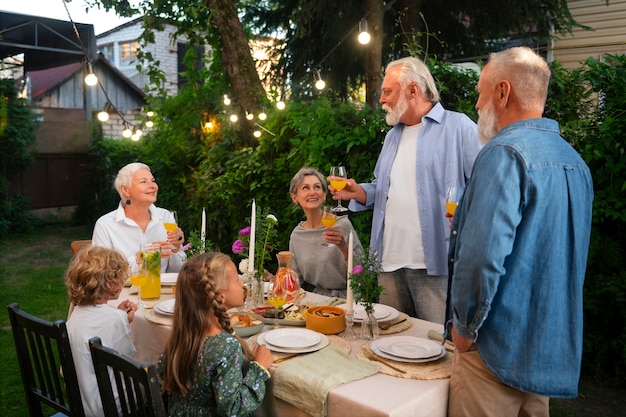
pixel 375 396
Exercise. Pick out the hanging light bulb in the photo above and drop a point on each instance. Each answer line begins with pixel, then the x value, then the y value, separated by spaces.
pixel 234 118
pixel 249 116
pixel 103 116
pixel 150 113
pixel 364 36
pixel 208 125
pixel 319 83
pixel 149 123
pixel 257 133
pixel 127 132
pixel 90 78
pixel 280 104
pixel 262 115
pixel 226 100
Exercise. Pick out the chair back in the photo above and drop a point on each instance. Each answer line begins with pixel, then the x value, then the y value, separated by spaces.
pixel 77 245
pixel 137 390
pixel 46 364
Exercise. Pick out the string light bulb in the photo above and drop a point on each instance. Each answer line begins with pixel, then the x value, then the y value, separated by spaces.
pixel 280 105
pixel 150 113
pixel 149 123
pixel 262 115
pixel 364 36
pixel 249 116
pixel 226 100
pixel 319 83
pixel 103 115
pixel 234 118
pixel 257 133
pixel 90 79
pixel 127 132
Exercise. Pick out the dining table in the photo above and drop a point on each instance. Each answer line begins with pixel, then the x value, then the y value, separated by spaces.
pixel 382 394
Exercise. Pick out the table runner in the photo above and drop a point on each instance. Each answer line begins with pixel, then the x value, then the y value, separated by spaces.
pixel 306 380
pixel 439 369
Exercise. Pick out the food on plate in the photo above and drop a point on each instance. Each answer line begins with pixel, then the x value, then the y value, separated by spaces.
pixel 243 320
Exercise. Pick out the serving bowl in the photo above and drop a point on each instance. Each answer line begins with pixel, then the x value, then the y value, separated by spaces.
pixel 325 319
pixel 246 324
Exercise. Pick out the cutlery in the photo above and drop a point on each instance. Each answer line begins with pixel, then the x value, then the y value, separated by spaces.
pixel 284 358
pixel 388 325
pixel 373 357
pixel 438 337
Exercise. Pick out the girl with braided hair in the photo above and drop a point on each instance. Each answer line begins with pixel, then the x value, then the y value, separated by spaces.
pixel 204 363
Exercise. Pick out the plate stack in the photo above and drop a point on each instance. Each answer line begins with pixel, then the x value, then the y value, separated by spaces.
pixel 293 340
pixel 408 349
pixel 165 308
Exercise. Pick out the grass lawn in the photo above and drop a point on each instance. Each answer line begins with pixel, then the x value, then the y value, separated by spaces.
pixel 31 273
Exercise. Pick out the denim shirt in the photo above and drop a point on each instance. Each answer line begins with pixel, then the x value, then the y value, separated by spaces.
pixel 447 145
pixel 518 247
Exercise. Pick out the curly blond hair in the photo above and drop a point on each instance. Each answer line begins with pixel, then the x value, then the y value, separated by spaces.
pixel 94 273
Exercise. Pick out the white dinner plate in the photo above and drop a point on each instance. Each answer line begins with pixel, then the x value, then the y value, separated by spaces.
pixel 169 278
pixel 292 338
pixel 409 347
pixel 322 344
pixel 382 312
pixel 376 350
pixel 165 307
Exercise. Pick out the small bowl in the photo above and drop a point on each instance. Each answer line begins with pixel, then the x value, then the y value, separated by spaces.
pixel 247 331
pixel 325 319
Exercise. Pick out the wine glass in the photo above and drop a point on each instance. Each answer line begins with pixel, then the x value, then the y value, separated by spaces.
pixel 277 297
pixel 338 184
pixel 169 226
pixel 453 195
pixel 329 218
pixel 138 277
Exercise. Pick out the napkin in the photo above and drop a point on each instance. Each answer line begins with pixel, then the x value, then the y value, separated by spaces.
pixel 305 381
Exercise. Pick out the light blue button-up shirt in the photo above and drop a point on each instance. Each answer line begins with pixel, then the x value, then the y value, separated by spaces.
pixel 519 244
pixel 446 148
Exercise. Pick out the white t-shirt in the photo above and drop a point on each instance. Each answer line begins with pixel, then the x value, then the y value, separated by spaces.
pixel 402 240
pixel 111 325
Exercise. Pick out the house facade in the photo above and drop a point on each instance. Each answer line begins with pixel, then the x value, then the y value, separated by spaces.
pixel 607 37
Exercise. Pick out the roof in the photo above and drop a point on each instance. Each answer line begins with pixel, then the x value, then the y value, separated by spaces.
pixel 45 42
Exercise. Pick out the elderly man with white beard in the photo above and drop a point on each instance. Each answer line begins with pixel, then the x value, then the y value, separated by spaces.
pixel 428 150
pixel 518 252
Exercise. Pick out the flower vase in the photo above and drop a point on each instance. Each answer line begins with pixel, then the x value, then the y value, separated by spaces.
pixel 369 326
pixel 255 291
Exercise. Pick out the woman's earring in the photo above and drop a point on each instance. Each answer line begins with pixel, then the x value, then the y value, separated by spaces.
pixel 128 201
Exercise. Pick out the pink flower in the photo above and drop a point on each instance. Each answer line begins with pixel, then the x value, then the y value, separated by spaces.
pixel 238 247
pixel 245 231
pixel 186 247
pixel 357 269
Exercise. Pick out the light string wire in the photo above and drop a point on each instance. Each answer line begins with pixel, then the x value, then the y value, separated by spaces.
pixel 88 61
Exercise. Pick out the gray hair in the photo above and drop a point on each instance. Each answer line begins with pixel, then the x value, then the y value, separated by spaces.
pixel 413 70
pixel 527 72
pixel 125 176
pixel 299 177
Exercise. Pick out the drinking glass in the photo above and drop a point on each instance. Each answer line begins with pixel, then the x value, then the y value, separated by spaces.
pixel 138 277
pixel 453 195
pixel 169 226
pixel 329 218
pixel 338 184
pixel 277 297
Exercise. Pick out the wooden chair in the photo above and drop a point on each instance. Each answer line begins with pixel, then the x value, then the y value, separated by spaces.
pixel 46 364
pixel 78 245
pixel 137 388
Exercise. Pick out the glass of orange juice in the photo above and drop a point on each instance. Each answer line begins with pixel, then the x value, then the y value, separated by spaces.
pixel 171 224
pixel 328 220
pixel 151 263
pixel 138 278
pixel 338 183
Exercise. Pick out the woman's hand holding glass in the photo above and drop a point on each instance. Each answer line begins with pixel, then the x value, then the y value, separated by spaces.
pixel 175 236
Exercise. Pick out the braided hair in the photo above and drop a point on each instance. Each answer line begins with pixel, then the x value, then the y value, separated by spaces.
pixel 200 281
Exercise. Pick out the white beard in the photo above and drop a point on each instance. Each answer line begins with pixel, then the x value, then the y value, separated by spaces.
pixel 393 115
pixel 487 124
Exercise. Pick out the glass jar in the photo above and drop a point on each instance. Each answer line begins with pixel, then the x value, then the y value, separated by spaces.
pixel 286 277
pixel 151 263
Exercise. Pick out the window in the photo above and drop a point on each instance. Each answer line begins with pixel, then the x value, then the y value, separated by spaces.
pixel 128 52
pixel 108 51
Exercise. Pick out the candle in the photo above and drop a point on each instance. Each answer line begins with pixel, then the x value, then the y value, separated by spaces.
pixel 203 228
pixel 252 238
pixel 349 296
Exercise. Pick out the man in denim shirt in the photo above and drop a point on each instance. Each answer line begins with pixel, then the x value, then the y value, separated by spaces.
pixel 428 150
pixel 518 247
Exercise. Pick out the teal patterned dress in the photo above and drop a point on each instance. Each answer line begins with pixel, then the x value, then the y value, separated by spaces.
pixel 220 387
